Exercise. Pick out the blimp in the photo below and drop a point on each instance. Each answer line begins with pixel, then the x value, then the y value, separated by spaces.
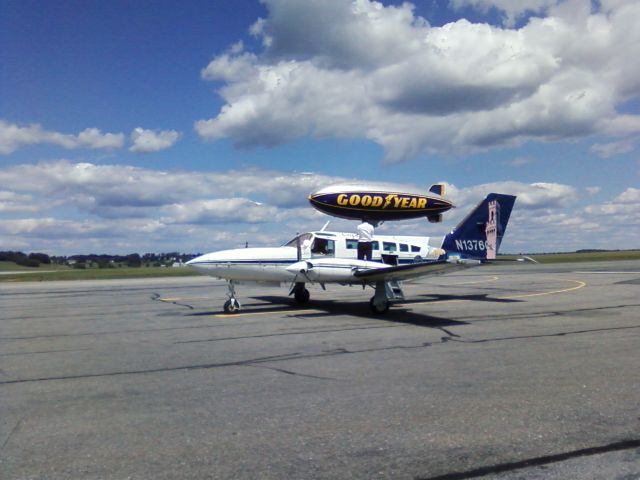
pixel 381 202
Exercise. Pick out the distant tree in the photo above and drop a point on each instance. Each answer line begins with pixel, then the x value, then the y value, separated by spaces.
pixel 28 262
pixel 134 260
pixel 41 258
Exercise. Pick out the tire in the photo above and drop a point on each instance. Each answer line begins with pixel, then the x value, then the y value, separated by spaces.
pixel 378 309
pixel 231 306
pixel 302 296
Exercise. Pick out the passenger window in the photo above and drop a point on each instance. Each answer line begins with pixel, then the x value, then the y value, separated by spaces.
pixel 389 246
pixel 375 245
pixel 415 249
pixel 352 244
pixel 404 247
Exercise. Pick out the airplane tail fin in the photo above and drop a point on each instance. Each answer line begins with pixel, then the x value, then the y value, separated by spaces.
pixel 437 188
pixel 480 233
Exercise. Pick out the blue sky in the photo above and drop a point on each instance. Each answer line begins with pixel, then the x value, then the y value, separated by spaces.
pixel 194 126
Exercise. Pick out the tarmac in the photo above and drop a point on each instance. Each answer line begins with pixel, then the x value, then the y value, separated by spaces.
pixel 514 371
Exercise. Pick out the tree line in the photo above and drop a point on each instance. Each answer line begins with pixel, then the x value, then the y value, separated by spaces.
pixel 99 261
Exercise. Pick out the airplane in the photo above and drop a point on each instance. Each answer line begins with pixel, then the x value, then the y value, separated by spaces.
pixel 324 257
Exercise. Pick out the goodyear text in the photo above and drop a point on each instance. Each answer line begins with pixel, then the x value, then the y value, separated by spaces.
pixel 391 200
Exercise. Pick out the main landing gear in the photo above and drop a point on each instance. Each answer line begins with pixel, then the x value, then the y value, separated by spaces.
pixel 386 292
pixel 300 293
pixel 232 305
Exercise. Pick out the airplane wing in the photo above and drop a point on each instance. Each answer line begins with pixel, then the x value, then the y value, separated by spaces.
pixel 415 270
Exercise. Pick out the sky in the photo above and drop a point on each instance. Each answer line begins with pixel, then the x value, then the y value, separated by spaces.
pixel 157 126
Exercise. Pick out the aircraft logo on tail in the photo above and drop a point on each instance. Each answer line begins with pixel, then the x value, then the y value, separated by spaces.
pixel 479 235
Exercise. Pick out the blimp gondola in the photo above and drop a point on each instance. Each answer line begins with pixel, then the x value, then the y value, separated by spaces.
pixel 380 202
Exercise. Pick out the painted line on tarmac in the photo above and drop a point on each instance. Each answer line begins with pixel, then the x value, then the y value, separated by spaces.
pixel 181 299
pixel 580 284
pixel 608 273
pixel 489 279
pixel 270 312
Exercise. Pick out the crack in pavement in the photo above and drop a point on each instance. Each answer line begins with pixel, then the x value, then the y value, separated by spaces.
pixel 266 335
pixel 537 461
pixel 297 355
pixel 289 372
pixel 542 335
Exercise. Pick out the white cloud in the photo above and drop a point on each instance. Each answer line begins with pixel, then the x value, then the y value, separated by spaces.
pixel 629 196
pixel 145 141
pixel 520 161
pixel 622 211
pixel 13 136
pixel 512 10
pixel 607 150
pixel 360 69
pixel 116 191
pixel 126 208
pixel 15 202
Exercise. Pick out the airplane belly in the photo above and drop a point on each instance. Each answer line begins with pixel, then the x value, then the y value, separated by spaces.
pixel 258 272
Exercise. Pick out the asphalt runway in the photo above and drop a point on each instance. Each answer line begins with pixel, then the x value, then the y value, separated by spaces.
pixel 501 372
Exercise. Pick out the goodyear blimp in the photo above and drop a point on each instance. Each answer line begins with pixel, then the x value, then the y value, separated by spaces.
pixel 378 202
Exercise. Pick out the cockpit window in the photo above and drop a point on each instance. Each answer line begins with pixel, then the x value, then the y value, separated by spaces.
pixel 323 246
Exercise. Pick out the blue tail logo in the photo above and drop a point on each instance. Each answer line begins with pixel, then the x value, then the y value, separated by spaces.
pixel 479 235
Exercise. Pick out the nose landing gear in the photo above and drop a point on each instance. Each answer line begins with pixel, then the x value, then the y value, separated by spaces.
pixel 232 305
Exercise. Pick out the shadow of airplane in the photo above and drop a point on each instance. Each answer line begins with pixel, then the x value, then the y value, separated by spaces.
pixel 399 313
pixel 322 308
pixel 483 297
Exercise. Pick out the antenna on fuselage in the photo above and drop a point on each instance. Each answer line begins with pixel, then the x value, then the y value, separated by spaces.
pixel 325 225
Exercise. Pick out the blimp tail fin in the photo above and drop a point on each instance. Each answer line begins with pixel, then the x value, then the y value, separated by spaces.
pixel 437 188
pixel 480 233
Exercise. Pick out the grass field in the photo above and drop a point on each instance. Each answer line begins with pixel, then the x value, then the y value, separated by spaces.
pixel 581 257
pixel 10 272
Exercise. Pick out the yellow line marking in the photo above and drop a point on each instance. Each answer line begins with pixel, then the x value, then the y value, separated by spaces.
pixel 244 314
pixel 181 299
pixel 489 279
pixel 580 284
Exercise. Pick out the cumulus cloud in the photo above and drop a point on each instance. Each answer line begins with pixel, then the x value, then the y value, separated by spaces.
pixel 125 208
pixel 220 210
pixel 14 202
pixel 13 136
pixel 360 69
pixel 607 150
pixel 510 10
pixel 121 191
pixel 145 141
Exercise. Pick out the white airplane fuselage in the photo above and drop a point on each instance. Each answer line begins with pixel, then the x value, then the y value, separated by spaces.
pixel 335 251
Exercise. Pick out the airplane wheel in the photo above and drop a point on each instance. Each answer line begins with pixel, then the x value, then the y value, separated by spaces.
pixel 378 308
pixel 301 296
pixel 231 306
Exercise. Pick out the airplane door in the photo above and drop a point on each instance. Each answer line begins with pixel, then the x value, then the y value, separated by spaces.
pixel 305 241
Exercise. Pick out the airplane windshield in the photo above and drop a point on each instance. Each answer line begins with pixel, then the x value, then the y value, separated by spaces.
pixel 294 243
